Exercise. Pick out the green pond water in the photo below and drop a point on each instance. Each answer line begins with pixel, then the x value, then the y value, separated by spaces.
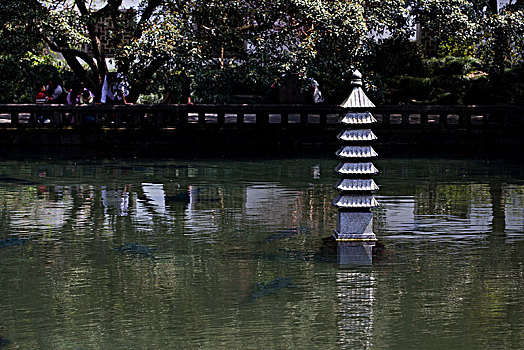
pixel 228 254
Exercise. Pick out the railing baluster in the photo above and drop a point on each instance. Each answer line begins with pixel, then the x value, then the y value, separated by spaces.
pixel 262 118
pixel 424 118
pixel 405 118
pixel 443 118
pixel 201 117
pixel 323 119
pixel 386 118
pixel 465 119
pixel 221 118
pixel 118 118
pixel 57 118
pixel 284 118
pixel 304 118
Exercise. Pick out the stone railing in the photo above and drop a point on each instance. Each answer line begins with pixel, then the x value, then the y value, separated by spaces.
pixel 167 115
pixel 162 116
pixel 443 116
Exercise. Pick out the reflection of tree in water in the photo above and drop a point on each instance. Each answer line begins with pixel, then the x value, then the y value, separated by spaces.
pixel 314 206
pixel 469 295
pixel 5 219
pixel 451 199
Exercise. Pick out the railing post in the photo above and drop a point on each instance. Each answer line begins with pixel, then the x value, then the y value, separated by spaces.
pixel 98 118
pixel 386 119
pixel 182 117
pixel 14 118
pixel 465 119
pixel 262 118
pixel 78 118
pixel 284 118
pixel 240 118
pixel 304 117
pixel 323 119
pixel 201 117
pixel 486 120
pixel 405 118
pixel 443 118
pixel 136 116
pixel 221 118
pixel 159 119
pixel 424 118
pixel 118 118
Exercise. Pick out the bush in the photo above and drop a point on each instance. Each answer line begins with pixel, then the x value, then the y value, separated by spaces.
pixel 451 66
pixel 19 76
pixel 395 56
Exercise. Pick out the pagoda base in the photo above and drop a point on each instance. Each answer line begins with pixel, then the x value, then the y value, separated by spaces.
pixel 352 237
pixel 354 226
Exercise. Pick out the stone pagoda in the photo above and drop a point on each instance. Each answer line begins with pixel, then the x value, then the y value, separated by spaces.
pixel 356 186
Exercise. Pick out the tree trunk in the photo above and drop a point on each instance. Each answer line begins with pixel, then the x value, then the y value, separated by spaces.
pixel 493 7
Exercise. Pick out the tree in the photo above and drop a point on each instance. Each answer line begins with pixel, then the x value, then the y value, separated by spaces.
pixel 230 45
pixel 254 42
pixel 218 40
pixel 141 45
pixel 481 28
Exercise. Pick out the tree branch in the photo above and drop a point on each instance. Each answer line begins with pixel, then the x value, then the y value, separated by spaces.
pixel 101 67
pixel 152 5
pixel 72 52
pixel 112 6
pixel 145 78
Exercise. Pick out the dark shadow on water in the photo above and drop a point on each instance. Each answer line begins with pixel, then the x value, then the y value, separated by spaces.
pixel 4 342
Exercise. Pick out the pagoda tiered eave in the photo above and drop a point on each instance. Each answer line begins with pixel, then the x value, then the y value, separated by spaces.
pixel 357 152
pixel 351 201
pixel 357 135
pixel 358 118
pixel 356 185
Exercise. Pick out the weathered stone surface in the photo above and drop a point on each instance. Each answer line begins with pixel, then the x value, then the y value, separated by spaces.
pixel 357 98
pixel 356 185
pixel 358 118
pixel 356 168
pixel 351 201
pixel 357 135
pixel 351 223
pixel 357 152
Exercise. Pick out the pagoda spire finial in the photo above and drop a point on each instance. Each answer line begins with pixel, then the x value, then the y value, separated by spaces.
pixel 357 98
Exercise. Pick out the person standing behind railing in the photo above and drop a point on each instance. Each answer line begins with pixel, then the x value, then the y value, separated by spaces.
pixel 55 92
pixel 40 98
pixel 78 95
pixel 115 89
pixel 73 96
pixel 87 98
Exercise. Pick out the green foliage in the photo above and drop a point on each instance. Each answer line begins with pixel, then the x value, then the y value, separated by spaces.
pixel 232 47
pixel 250 44
pixel 20 76
pixel 456 46
pixel 395 56
pixel 451 66
pixel 472 88
pixel 152 98
pixel 448 80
